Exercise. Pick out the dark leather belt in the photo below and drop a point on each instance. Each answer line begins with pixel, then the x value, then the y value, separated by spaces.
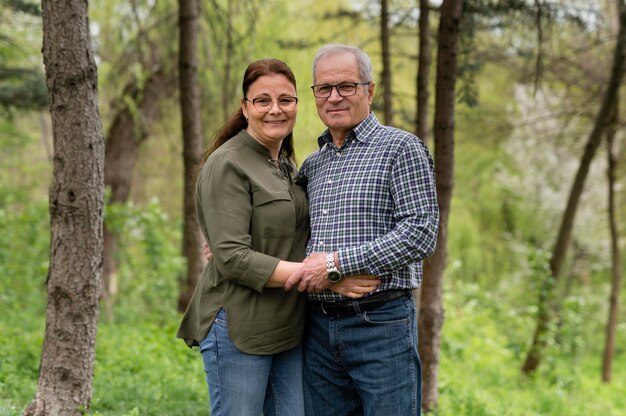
pixel 356 306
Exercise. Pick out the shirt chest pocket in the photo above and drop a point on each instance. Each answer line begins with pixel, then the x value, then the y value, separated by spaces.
pixel 273 214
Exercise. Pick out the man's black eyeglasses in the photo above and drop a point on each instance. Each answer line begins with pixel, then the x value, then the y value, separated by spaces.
pixel 344 89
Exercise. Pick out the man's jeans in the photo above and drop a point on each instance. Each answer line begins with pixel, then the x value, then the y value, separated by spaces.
pixel 242 384
pixel 363 365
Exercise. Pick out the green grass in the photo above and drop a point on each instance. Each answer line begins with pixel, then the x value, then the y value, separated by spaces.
pixel 142 369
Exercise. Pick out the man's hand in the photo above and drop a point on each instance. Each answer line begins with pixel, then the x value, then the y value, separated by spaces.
pixel 311 277
pixel 207 250
pixel 356 286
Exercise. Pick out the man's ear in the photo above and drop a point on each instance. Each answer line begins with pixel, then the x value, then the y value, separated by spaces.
pixel 370 92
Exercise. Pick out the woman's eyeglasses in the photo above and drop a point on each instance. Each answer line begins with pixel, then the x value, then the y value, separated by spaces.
pixel 264 104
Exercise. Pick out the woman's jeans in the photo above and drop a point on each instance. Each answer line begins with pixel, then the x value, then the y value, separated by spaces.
pixel 365 364
pixel 243 384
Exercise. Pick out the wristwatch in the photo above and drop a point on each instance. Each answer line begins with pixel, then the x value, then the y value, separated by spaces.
pixel 332 273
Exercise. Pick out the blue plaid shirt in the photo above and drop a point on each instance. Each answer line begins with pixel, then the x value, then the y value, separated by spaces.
pixel 373 201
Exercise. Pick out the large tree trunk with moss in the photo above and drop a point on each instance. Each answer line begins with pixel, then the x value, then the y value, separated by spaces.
pixel 431 308
pixel 546 313
pixel 192 144
pixel 76 203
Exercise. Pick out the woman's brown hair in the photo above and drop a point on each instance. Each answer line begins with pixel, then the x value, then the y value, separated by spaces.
pixel 238 122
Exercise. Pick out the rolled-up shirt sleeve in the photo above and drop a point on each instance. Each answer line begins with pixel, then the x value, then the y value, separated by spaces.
pixel 225 210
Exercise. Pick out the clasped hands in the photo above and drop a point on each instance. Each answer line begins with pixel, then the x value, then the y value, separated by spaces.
pixel 311 277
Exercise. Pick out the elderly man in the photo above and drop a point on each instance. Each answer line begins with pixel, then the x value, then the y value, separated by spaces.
pixel 373 209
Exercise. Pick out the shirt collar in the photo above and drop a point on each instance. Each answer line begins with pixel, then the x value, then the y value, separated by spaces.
pixel 362 131
pixel 249 141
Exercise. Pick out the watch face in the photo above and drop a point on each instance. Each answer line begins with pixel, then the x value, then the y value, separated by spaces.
pixel 333 276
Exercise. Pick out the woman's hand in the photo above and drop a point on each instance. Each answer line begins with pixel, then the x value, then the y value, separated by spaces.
pixel 356 286
pixel 207 250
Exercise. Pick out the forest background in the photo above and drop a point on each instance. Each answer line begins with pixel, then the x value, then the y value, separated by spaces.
pixel 531 79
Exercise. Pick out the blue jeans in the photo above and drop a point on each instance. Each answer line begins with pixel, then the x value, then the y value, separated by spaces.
pixel 243 384
pixel 363 365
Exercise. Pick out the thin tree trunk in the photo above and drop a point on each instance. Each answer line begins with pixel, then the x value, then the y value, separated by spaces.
pixel 76 204
pixel 192 145
pixel 126 134
pixel 545 314
pixel 431 313
pixel 386 75
pixel 423 72
pixel 228 59
pixel 539 59
pixel 609 347
pixel 423 93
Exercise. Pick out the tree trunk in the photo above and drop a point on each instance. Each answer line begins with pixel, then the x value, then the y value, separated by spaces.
pixel 431 313
pixel 423 92
pixel 386 76
pixel 76 204
pixel 423 71
pixel 611 326
pixel 125 135
pixel 227 94
pixel 192 145
pixel 545 314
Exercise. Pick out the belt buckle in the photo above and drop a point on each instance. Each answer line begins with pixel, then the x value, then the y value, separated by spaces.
pixel 322 306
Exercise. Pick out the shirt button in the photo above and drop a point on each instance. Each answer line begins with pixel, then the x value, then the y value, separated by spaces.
pixel 329 181
pixel 337 154
pixel 321 243
pixel 324 211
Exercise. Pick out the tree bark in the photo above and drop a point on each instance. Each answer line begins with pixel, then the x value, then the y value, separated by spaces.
pixel 192 145
pixel 423 71
pixel 611 326
pixel 76 204
pixel 545 314
pixel 431 310
pixel 126 134
pixel 422 94
pixel 386 76
pixel 227 94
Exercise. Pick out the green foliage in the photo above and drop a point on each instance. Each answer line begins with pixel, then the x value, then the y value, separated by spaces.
pixel 22 89
pixel 24 6
pixel 480 366
pixel 24 249
pixel 140 367
pixel 149 261
pixel 22 83
pixel 144 370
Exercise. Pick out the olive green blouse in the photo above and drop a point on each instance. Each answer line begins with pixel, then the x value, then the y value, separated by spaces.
pixel 252 214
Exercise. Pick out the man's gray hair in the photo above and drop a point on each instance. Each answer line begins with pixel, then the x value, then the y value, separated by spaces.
pixel 363 61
